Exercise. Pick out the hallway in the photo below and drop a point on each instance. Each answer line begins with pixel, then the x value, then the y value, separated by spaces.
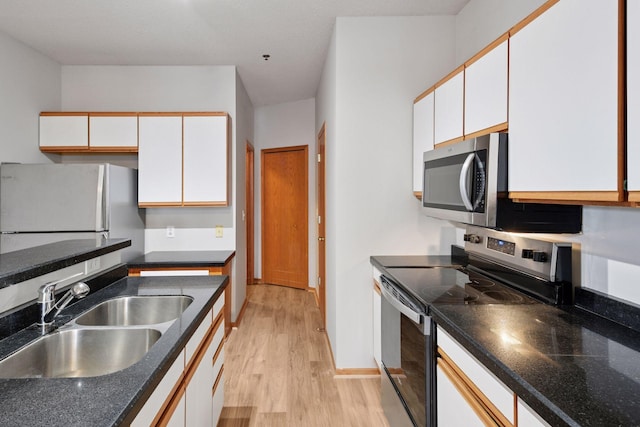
pixel 278 369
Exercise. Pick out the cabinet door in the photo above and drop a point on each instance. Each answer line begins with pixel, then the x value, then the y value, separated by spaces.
pixel 422 137
pixel 377 331
pixel 64 130
pixel 113 132
pixel 633 100
pixel 527 417
pixel 205 160
pixel 177 418
pixel 160 161
pixel 453 408
pixel 563 104
pixel 449 102
pixel 199 409
pixel 485 91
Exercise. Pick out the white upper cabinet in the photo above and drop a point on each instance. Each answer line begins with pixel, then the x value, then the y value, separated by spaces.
pixel 633 100
pixel 64 130
pixel 113 132
pixel 422 137
pixel 205 160
pixel 160 161
pixel 449 108
pixel 486 90
pixel 563 104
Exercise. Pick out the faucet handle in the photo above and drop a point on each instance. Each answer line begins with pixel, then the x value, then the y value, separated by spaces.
pixel 46 293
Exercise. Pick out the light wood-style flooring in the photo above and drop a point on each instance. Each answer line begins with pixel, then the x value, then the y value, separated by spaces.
pixel 278 369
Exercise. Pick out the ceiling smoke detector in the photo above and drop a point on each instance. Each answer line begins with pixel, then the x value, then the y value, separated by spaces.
pixel 266 56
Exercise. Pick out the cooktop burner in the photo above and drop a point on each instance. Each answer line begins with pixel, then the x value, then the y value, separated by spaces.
pixel 455 286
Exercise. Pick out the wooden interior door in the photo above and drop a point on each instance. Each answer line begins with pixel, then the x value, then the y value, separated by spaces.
pixel 249 180
pixel 284 202
pixel 321 283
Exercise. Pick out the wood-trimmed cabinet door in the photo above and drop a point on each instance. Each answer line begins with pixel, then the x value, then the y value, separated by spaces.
pixel 113 132
pixel 61 132
pixel 564 115
pixel 633 100
pixel 486 90
pixel 449 108
pixel 422 137
pixel 206 151
pixel 160 160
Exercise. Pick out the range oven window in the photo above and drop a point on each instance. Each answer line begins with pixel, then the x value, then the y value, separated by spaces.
pixel 406 358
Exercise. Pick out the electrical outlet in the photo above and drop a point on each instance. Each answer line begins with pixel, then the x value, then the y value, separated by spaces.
pixel 219 231
pixel 91 265
pixel 171 231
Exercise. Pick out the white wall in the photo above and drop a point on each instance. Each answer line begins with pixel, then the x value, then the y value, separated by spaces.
pixel 381 65
pixel 286 125
pixel 29 84
pixel 176 88
pixel 610 240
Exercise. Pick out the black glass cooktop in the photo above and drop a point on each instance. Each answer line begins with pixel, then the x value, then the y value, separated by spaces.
pixel 442 285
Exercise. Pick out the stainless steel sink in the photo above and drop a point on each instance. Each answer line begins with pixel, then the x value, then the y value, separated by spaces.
pixel 79 353
pixel 135 310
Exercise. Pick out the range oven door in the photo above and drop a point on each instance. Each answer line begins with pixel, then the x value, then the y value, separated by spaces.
pixel 408 380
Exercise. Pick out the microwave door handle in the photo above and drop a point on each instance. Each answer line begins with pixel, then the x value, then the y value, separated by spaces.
pixel 464 172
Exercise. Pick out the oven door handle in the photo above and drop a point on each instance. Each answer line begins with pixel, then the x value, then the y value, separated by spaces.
pixel 464 173
pixel 415 316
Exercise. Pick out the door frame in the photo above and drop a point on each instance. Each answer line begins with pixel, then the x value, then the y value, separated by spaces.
pixel 263 152
pixel 250 209
pixel 321 287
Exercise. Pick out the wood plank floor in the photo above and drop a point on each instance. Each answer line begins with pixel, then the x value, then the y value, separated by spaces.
pixel 278 369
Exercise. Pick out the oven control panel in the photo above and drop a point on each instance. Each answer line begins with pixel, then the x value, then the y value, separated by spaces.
pixel 500 245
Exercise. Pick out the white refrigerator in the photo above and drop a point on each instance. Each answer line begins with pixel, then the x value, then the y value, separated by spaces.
pixel 45 203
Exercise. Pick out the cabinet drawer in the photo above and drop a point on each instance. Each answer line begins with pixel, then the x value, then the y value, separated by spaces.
pixel 161 394
pixel 499 394
pixel 197 337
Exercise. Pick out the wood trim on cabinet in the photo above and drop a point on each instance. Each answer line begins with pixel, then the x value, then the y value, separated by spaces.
pixel 203 204
pixel 532 16
pixel 160 114
pixel 634 196
pixel 480 403
pixel 164 415
pixel 502 127
pixel 449 76
pixel 217 381
pixel 418 195
pixel 376 287
pixel 64 113
pixel 570 197
pixel 204 113
pixel 424 94
pixel 622 97
pixel 487 49
pixel 112 114
pixel 159 204
pixel 66 149
pixel 449 142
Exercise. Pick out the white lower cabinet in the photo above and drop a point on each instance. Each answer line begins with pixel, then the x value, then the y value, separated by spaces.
pixel 527 417
pixel 191 394
pixel 453 409
pixel 468 394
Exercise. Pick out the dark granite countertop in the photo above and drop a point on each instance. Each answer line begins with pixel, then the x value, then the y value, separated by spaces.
pixel 113 399
pixel 182 259
pixel 572 367
pixel 415 261
pixel 25 264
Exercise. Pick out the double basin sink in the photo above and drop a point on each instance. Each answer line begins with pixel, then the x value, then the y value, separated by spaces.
pixel 107 338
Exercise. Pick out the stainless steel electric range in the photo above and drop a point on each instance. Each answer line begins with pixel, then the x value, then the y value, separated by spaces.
pixel 503 268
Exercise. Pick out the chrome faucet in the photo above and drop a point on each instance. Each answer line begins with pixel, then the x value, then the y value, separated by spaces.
pixel 49 309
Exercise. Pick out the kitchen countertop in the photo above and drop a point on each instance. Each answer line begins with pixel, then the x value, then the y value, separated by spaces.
pixel 162 259
pixel 25 264
pixel 113 399
pixel 572 367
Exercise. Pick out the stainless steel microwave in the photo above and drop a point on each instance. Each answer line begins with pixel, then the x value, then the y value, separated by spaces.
pixel 467 182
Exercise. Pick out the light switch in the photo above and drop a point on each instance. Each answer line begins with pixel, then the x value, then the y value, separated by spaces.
pixel 218 231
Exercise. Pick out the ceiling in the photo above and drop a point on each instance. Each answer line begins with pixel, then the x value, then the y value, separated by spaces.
pixel 295 33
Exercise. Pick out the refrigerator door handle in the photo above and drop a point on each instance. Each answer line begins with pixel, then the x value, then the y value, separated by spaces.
pixel 100 205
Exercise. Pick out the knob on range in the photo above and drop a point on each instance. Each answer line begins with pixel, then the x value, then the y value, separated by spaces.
pixel 472 238
pixel 537 256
